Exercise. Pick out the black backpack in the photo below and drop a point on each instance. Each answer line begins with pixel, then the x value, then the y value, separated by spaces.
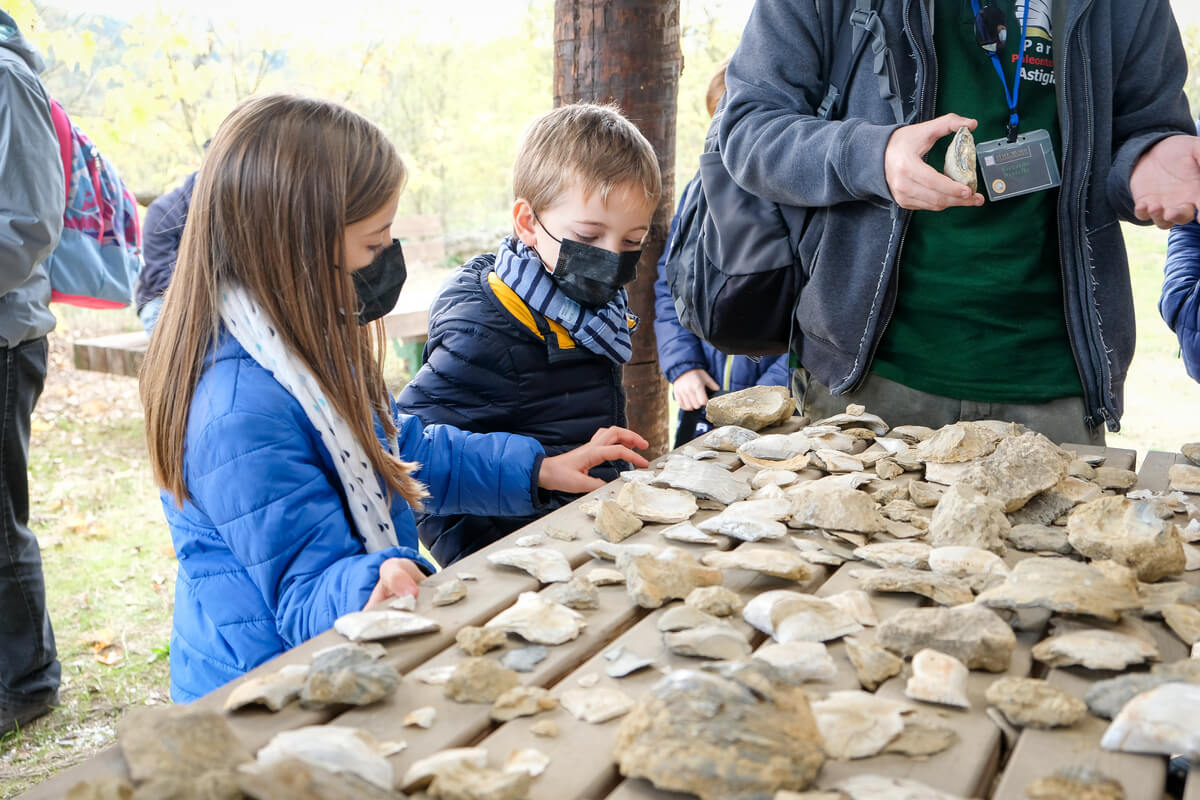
pixel 732 265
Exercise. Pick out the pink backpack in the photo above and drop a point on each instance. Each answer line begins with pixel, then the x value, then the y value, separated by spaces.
pixel 99 257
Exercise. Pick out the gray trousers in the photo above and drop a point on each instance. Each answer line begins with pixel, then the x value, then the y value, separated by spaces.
pixel 1060 420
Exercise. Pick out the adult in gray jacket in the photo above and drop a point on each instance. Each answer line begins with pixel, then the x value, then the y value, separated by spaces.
pixel 923 300
pixel 31 216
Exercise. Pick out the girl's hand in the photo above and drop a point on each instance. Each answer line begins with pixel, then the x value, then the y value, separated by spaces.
pixel 398 577
pixel 569 472
pixel 689 389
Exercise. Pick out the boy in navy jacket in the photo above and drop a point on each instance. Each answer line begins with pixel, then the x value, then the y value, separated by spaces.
pixel 1180 303
pixel 531 339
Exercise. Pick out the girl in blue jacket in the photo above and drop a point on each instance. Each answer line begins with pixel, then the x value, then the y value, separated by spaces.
pixel 288 478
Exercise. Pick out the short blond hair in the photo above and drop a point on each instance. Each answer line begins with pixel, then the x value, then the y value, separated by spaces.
pixel 592 144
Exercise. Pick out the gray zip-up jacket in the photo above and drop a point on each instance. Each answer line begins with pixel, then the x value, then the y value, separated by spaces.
pixel 32 191
pixel 1120 68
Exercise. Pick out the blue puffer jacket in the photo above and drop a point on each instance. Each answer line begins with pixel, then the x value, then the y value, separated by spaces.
pixel 491 364
pixel 680 350
pixel 267 553
pixel 1180 303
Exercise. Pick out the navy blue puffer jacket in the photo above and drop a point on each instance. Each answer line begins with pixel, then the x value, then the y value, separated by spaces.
pixel 1180 303
pixel 490 365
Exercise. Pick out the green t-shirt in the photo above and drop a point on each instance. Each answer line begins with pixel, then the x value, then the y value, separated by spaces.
pixel 979 309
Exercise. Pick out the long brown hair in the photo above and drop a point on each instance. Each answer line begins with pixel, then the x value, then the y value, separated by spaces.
pixel 282 179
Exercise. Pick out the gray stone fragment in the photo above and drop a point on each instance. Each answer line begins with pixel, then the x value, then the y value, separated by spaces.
pixel 1130 533
pixel 1039 539
pixel 524 659
pixel 347 675
pixel 872 664
pixel 1106 698
pixel 1020 468
pixel 578 593
pixel 177 742
pixel 973 634
pixel 965 516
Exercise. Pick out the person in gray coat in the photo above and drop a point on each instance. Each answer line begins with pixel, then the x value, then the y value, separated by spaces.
pixel 31 219
pixel 923 300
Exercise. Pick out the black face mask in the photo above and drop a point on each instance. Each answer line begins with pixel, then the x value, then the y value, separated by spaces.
pixel 378 284
pixel 589 275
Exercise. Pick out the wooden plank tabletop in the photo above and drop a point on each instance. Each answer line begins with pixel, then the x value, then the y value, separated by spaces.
pixel 581 763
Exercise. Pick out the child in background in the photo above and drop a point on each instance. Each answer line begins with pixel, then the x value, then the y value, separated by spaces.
pixel 531 339
pixel 288 477
pixel 1180 303
pixel 692 365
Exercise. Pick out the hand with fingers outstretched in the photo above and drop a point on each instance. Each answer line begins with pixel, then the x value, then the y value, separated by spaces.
pixel 569 472
pixel 916 185
pixel 1166 182
pixel 398 577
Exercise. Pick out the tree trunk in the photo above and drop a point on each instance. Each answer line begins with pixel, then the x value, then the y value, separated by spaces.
pixel 627 52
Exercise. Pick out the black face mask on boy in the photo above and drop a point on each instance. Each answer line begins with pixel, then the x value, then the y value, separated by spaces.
pixel 590 275
pixel 378 284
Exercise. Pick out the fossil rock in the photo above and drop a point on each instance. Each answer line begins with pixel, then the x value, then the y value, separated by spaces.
pixel 622 662
pixel 382 623
pixel 946 474
pixel 102 787
pixel 1019 468
pixel 1114 478
pixel 727 438
pixel 687 532
pixel 857 604
pixel 1075 783
pixel 1130 533
pixel 679 618
pixel 546 728
pixel 422 717
pixel 1184 478
pixel 614 522
pixel 794 617
pixel 544 563
pixel 177 742
pixel 704 479
pixel 273 690
pixel 938 678
pixel 715 600
pixel 960 159
pixel 423 771
pixel 449 593
pixel 773 477
pixel 872 664
pixel 779 563
pixel 911 555
pixel 941 589
pixel 559 534
pixel 1184 620
pixel 524 659
pixel 522 701
pixel 716 738
pixel 578 593
pixel 596 705
pixel 1106 698
pixel 435 676
pixel 347 675
pixel 653 504
pixel 1094 649
pixel 538 620
pixel 1039 539
pixel 878 787
pixel 921 739
pixel 1187 669
pixel 1078 468
pixel 720 642
pixel 768 493
pixel 333 748
pixel 603 576
pixel 887 469
pixel 470 782
pixel 1046 507
pixel 836 461
pixel 856 416
pixel 799 661
pixel 835 508
pixel 1192 451
pixel 980 568
pixel 528 760
pixel 959 442
pixel 911 434
pixel 748 521
pixel 1034 703
pixel 479 680
pixel 965 516
pixel 531 540
pixel 901 510
pixel 1062 585
pixel 754 408
pixel 290 779
pixel 1162 720
pixel 671 574
pixel 814 553
pixel 477 641
pixel 777 451
pixel 971 633
pixel 856 724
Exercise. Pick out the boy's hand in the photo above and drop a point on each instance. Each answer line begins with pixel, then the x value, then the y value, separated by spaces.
pixel 569 472
pixel 689 389
pixel 398 577
pixel 1166 182
pixel 913 183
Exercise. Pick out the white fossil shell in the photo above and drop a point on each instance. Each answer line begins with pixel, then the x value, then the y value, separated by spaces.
pixel 335 748
pixel 423 771
pixel 857 604
pixel 545 564
pixel 857 724
pixel 1162 720
pixel 596 705
pixel 938 678
pixel 653 504
pixel 799 661
pixel 961 561
pixel 687 532
pixel 728 438
pixel 422 717
pixel 960 159
pixel 705 479
pixel 536 619
pixel 382 623
pixel 528 760
pixel 274 690
pixel 794 617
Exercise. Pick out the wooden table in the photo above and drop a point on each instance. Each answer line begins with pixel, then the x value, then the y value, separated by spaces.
pixel 981 764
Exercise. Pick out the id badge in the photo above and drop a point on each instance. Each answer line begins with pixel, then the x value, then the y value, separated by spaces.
pixel 1011 169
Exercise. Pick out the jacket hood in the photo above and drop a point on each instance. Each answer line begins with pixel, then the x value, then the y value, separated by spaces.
pixel 12 39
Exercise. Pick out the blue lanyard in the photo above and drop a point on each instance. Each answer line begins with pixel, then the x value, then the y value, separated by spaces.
pixel 1013 119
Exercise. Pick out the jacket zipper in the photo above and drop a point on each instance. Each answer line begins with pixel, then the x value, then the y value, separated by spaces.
pixel 906 215
pixel 1094 405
